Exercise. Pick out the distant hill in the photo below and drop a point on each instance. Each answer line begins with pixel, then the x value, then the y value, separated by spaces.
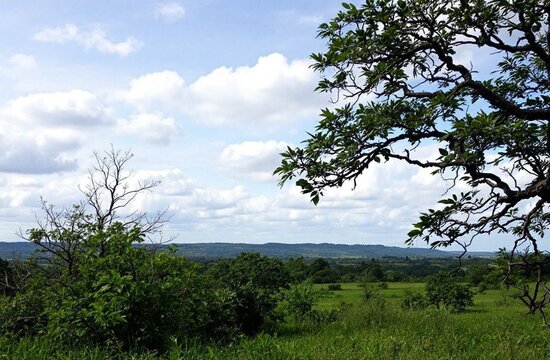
pixel 279 250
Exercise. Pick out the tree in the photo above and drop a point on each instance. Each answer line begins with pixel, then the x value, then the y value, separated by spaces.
pixel 444 291
pixel 257 283
pixel 108 196
pixel 491 126
pixel 95 282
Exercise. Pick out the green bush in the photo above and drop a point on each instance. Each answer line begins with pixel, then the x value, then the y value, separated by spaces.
pixel 6 274
pixel 443 291
pixel 257 283
pixel 299 301
pixel 335 287
pixel 370 292
pixel 23 313
pixel 124 296
pixel 481 288
pixel 414 300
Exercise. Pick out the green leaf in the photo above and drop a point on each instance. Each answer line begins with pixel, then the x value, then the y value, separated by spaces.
pixel 414 233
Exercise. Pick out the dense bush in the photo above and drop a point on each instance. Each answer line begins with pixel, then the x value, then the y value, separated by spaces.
pixel 256 282
pixel 443 290
pixel 115 294
pixel 6 276
pixel 124 296
pixel 299 301
pixel 335 287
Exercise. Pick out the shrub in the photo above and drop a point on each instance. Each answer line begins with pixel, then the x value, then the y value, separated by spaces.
pixel 257 283
pixel 6 274
pixel 443 290
pixel 125 296
pixel 481 288
pixel 414 300
pixel 370 291
pixel 299 301
pixel 335 287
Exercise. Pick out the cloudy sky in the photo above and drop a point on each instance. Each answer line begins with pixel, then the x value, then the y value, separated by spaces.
pixel 206 94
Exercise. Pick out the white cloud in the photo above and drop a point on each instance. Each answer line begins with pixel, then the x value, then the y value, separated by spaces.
pixel 273 92
pixel 71 108
pixel 94 38
pixel 154 128
pixel 171 11
pixel 23 61
pixel 253 160
pixel 37 131
pixel 155 91
pixel 213 199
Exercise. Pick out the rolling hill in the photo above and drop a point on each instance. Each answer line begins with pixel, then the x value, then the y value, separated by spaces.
pixel 279 250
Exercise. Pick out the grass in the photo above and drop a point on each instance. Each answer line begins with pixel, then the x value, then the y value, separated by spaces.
pixel 495 328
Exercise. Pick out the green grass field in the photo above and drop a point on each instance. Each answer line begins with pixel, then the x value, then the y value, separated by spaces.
pixel 496 327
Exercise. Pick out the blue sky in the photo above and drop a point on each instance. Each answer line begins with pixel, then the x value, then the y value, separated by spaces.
pixel 206 94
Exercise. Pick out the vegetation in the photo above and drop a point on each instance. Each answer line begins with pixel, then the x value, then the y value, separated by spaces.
pixel 490 131
pixel 442 290
pixel 97 290
pixel 256 283
pixel 361 331
pixel 94 283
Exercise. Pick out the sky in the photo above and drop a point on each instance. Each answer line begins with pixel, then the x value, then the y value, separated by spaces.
pixel 206 94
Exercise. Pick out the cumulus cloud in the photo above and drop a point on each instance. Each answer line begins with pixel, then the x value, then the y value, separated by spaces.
pixel 93 39
pixel 29 158
pixel 22 61
pixel 253 160
pixel 171 11
pixel 218 199
pixel 273 91
pixel 154 128
pixel 71 108
pixel 37 131
pixel 153 91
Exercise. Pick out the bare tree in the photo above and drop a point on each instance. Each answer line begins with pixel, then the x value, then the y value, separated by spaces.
pixel 109 193
pixel 108 197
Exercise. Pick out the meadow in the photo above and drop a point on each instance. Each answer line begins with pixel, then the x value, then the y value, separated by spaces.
pixel 496 327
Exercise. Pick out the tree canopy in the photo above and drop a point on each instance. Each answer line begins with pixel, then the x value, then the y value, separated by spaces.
pixel 397 73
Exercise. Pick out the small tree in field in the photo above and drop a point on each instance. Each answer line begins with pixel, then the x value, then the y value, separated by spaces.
pixel 257 283
pixel 443 291
pixel 489 121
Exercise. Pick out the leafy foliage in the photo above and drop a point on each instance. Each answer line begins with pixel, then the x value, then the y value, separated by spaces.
pixel 335 287
pixel 492 133
pixel 414 300
pixel 95 282
pixel 443 291
pixel 300 300
pixel 6 278
pixel 125 295
pixel 257 283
